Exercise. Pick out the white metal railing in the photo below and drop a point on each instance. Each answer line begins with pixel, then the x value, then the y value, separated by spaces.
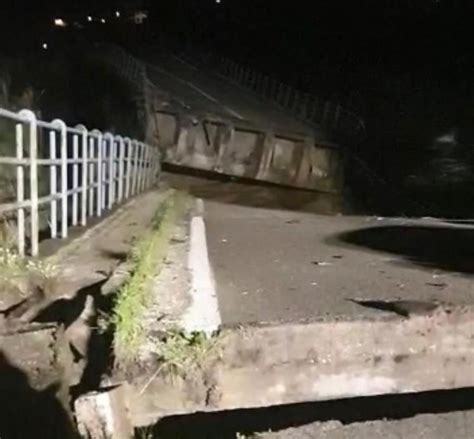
pixel 89 172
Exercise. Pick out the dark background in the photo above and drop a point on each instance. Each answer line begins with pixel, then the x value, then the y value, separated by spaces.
pixel 405 67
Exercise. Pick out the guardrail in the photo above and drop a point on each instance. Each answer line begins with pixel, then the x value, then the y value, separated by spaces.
pixel 90 172
pixel 327 113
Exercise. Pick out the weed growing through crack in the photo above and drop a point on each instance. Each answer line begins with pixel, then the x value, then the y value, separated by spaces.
pixel 10 262
pixel 180 352
pixel 13 268
pixel 146 259
pixel 44 269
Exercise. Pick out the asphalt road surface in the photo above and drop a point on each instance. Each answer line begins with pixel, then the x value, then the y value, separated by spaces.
pixel 276 266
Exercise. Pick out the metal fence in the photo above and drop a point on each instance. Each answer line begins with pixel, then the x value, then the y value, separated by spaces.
pixel 90 172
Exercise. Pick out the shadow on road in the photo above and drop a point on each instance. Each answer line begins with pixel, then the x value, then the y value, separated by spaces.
pixel 225 425
pixel 28 413
pixel 250 193
pixel 446 248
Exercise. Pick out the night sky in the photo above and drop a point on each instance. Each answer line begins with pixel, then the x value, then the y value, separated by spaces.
pixel 405 66
pixel 395 33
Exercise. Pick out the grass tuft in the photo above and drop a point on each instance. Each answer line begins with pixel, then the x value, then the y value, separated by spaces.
pixel 180 352
pixel 13 268
pixel 146 259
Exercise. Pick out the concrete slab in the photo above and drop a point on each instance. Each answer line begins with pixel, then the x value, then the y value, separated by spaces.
pixel 276 266
pixel 317 308
pixel 286 364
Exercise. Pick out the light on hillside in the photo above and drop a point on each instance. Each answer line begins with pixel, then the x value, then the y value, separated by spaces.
pixel 117 14
pixel 45 46
pixel 59 22
pixel 89 18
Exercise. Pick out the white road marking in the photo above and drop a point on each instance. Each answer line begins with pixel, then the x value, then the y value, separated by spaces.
pixel 181 60
pixel 203 313
pixel 211 98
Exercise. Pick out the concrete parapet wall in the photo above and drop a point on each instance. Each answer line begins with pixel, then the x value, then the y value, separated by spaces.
pixel 244 151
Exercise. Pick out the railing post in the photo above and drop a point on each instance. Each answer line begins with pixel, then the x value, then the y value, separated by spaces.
pixel 146 169
pixel 108 138
pixel 152 166
pixel 135 166
pixel 92 166
pixel 30 118
pixel 121 172
pixel 140 167
pixel 157 164
pixel 103 146
pixel 53 186
pixel 63 156
pixel 85 169
pixel 128 178
pixel 75 179
pixel 98 135
pixel 20 189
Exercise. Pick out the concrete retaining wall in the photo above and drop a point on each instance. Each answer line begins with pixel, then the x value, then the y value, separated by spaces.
pixel 245 151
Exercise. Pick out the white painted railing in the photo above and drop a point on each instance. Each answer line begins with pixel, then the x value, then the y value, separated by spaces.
pixel 90 172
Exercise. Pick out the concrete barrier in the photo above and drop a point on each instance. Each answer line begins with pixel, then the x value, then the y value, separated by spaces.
pixel 265 366
pixel 241 150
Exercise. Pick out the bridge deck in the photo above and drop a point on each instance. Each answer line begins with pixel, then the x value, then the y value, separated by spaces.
pixel 284 286
pixel 207 93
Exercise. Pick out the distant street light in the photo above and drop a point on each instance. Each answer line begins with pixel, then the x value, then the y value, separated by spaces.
pixel 45 46
pixel 117 14
pixel 89 18
pixel 140 17
pixel 218 1
pixel 102 20
pixel 59 22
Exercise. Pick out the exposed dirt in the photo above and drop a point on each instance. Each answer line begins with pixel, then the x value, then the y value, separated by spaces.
pixel 47 331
